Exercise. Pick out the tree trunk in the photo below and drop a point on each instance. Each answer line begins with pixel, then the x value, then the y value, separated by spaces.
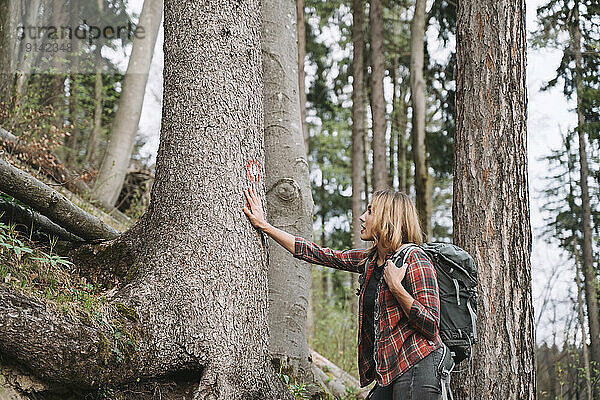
pixel 490 199
pixel 289 197
pixel 194 275
pixel 580 314
pixel 380 173
pixel 402 117
pixel 93 141
pixel 392 147
pixel 301 33
pixel 358 132
pixel 6 54
pixel 417 95
pixel 124 129
pixel 591 282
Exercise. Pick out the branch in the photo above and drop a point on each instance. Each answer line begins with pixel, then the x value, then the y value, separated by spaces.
pixel 337 380
pixel 34 221
pixel 52 204
pixel 53 166
pixel 59 347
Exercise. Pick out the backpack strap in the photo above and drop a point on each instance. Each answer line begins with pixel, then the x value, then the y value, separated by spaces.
pixel 445 369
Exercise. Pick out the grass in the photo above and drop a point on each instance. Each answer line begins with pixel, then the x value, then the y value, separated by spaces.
pixel 37 270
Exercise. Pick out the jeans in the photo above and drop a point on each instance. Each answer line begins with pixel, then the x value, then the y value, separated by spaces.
pixel 420 382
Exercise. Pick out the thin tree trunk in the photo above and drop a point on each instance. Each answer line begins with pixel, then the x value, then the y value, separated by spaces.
pixel 289 197
pixel 402 142
pixel 417 95
pixel 6 54
pixel 358 132
pixel 301 33
pixel 380 173
pixel 124 129
pixel 490 199
pixel 591 282
pixel 580 313
pixel 393 144
pixel 93 141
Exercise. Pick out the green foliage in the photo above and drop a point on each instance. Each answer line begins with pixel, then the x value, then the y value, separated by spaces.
pixel 335 328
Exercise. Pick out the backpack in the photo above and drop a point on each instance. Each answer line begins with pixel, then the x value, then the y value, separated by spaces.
pixel 457 282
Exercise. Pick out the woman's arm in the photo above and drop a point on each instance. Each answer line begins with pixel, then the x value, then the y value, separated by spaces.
pixel 346 260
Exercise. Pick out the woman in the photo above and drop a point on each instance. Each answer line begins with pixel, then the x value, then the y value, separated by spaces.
pixel 398 342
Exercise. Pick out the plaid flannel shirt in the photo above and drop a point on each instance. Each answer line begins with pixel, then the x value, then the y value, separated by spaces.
pixel 400 340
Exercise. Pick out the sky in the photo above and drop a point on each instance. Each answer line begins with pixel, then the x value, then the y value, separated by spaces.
pixel 548 114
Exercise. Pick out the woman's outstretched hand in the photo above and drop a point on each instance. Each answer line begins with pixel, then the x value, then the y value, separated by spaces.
pixel 254 209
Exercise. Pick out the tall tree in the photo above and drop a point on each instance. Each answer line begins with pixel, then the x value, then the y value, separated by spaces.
pixel 417 95
pixel 578 71
pixel 491 202
pixel 358 124
pixel 380 172
pixel 289 198
pixel 591 281
pixel 192 305
pixel 124 129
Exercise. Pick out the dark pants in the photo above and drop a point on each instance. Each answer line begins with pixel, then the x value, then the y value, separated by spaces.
pixel 420 382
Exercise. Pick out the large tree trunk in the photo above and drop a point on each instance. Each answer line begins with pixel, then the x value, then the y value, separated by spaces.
pixel 358 132
pixel 590 279
pixel 194 298
pixel 491 201
pixel 417 95
pixel 124 128
pixel 289 198
pixel 380 173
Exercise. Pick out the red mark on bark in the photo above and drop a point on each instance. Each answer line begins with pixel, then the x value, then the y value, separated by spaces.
pixel 253 171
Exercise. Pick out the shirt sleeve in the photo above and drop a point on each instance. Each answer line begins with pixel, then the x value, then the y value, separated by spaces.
pixel 346 260
pixel 421 283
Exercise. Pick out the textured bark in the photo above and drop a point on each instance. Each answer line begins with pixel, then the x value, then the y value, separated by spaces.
pixel 289 198
pixel 124 129
pixel 490 199
pixel 417 96
pixel 590 279
pixel 301 34
pixel 380 173
pixel 52 204
pixel 358 129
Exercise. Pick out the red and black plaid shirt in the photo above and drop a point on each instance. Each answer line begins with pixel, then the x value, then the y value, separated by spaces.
pixel 402 340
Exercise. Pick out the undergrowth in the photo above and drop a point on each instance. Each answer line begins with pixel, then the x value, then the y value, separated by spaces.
pixel 37 269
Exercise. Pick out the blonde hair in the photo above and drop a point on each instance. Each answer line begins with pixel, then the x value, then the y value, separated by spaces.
pixel 395 221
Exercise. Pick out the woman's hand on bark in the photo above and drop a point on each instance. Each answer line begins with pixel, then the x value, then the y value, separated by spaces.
pixel 254 209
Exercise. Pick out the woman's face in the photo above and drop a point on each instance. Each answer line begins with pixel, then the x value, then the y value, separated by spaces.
pixel 366 221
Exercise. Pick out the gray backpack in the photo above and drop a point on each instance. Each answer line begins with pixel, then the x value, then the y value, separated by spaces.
pixel 457 281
